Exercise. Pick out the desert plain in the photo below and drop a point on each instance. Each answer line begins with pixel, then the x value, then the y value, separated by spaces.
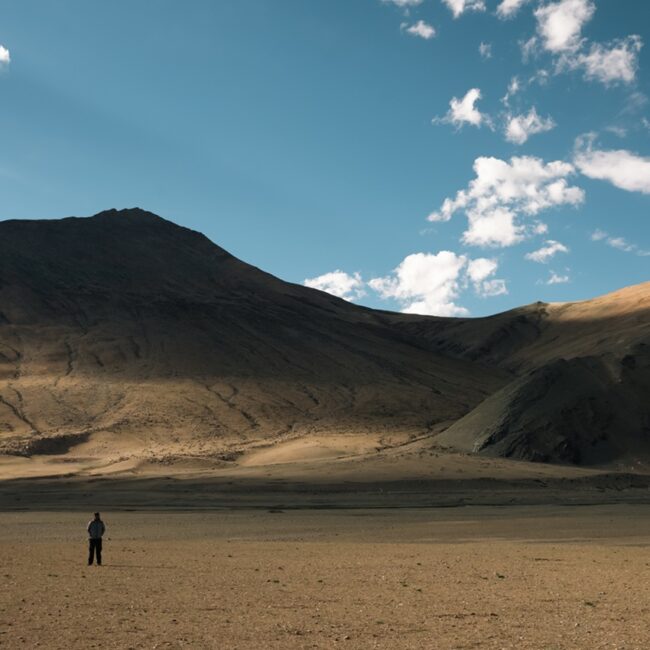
pixel 326 553
pixel 538 577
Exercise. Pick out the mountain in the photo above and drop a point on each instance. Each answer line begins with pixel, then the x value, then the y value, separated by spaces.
pixel 123 335
pixel 582 382
pixel 124 329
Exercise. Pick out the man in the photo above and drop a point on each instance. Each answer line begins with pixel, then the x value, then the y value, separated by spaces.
pixel 95 530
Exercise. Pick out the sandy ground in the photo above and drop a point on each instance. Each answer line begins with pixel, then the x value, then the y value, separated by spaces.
pixel 540 577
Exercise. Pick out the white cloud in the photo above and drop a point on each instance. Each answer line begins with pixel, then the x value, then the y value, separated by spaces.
pixel 429 284
pixel 620 243
pixel 503 192
pixel 555 278
pixel 619 131
pixel 513 88
pixel 617 61
pixel 339 283
pixel 463 111
pixel 520 127
pixel 559 24
pixel 5 57
pixel 545 253
pixel 478 272
pixel 480 269
pixel 624 169
pixel 508 8
pixel 485 50
pixel 425 284
pixel 529 48
pixel 491 288
pixel 421 29
pixel 495 227
pixel 458 7
pixel 636 102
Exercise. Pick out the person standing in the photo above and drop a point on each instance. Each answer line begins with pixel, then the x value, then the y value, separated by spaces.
pixel 95 530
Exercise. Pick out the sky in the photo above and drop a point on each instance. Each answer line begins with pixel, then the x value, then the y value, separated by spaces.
pixel 445 157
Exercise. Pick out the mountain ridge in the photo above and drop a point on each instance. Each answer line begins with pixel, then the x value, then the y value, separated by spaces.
pixel 126 335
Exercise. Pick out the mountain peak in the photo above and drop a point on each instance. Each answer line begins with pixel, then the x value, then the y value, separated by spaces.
pixel 130 214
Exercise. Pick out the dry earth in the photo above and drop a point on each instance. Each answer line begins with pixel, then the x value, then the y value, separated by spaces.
pixel 525 578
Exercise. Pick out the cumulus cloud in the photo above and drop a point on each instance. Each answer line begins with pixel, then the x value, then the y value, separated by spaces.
pixel 616 61
pixel 339 283
pixel 495 227
pixel 560 24
pixel 464 111
pixel 520 127
pixel 559 29
pixel 458 7
pixel 425 284
pixel 5 57
pixel 421 29
pixel 503 192
pixel 547 252
pixel 485 50
pixel 624 169
pixel 508 8
pixel 429 284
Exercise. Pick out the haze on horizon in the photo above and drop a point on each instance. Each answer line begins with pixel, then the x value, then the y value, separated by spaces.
pixel 444 157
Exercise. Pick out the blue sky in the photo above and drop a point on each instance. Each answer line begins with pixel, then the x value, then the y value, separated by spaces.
pixel 315 136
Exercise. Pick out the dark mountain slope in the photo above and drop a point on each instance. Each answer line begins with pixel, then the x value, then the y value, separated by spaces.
pixel 583 385
pixel 124 326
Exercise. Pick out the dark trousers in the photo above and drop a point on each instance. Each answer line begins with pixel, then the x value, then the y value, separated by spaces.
pixel 94 548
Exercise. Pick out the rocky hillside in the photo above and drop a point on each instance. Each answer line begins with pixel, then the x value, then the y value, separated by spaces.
pixel 124 334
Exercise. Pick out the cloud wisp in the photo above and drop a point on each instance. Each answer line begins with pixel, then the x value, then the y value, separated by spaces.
pixel 404 4
pixel 556 278
pixel 619 243
pixel 485 50
pixel 420 29
pixel 544 254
